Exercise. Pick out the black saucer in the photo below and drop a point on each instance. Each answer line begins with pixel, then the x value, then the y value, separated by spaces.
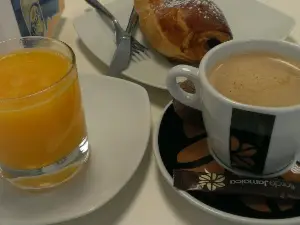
pixel 183 146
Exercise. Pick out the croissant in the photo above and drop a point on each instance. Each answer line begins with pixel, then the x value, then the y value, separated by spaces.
pixel 182 30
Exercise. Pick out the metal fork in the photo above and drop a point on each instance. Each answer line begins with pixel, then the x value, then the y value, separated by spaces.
pixel 136 46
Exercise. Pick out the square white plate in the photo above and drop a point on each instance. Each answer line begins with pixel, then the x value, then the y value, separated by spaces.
pixel 248 19
pixel 119 122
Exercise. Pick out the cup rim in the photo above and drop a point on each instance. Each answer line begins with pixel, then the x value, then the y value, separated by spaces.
pixel 54 84
pixel 262 109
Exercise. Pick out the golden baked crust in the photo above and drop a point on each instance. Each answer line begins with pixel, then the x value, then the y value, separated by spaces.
pixel 183 30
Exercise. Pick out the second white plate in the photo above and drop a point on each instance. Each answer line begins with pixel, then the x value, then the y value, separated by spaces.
pixel 252 20
pixel 118 121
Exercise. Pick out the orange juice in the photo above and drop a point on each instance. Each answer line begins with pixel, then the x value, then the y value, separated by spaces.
pixel 41 116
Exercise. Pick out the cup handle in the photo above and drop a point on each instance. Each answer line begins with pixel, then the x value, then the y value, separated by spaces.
pixel 190 73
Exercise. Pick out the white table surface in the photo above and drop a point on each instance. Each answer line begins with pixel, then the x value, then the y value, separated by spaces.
pixel 147 199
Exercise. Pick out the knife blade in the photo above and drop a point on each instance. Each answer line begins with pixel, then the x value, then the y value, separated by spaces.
pixel 121 58
pixel 122 55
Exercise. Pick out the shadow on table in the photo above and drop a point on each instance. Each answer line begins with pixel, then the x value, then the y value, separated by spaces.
pixel 188 213
pixel 157 96
pixel 112 212
pixel 291 39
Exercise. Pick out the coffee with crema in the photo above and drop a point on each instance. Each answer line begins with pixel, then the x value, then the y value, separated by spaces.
pixel 258 78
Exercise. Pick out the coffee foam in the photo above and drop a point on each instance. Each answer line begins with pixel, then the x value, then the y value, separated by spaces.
pixel 258 78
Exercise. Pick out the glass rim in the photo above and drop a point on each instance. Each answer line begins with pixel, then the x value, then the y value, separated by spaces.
pixel 54 84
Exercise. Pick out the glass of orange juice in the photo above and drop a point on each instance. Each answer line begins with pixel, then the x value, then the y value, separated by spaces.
pixel 43 136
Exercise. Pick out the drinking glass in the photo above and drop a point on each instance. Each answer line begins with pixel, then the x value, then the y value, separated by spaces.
pixel 43 135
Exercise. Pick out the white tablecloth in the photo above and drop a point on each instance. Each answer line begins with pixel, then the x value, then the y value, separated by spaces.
pixel 147 199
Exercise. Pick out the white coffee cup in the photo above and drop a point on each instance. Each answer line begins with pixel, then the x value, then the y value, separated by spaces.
pixel 272 134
